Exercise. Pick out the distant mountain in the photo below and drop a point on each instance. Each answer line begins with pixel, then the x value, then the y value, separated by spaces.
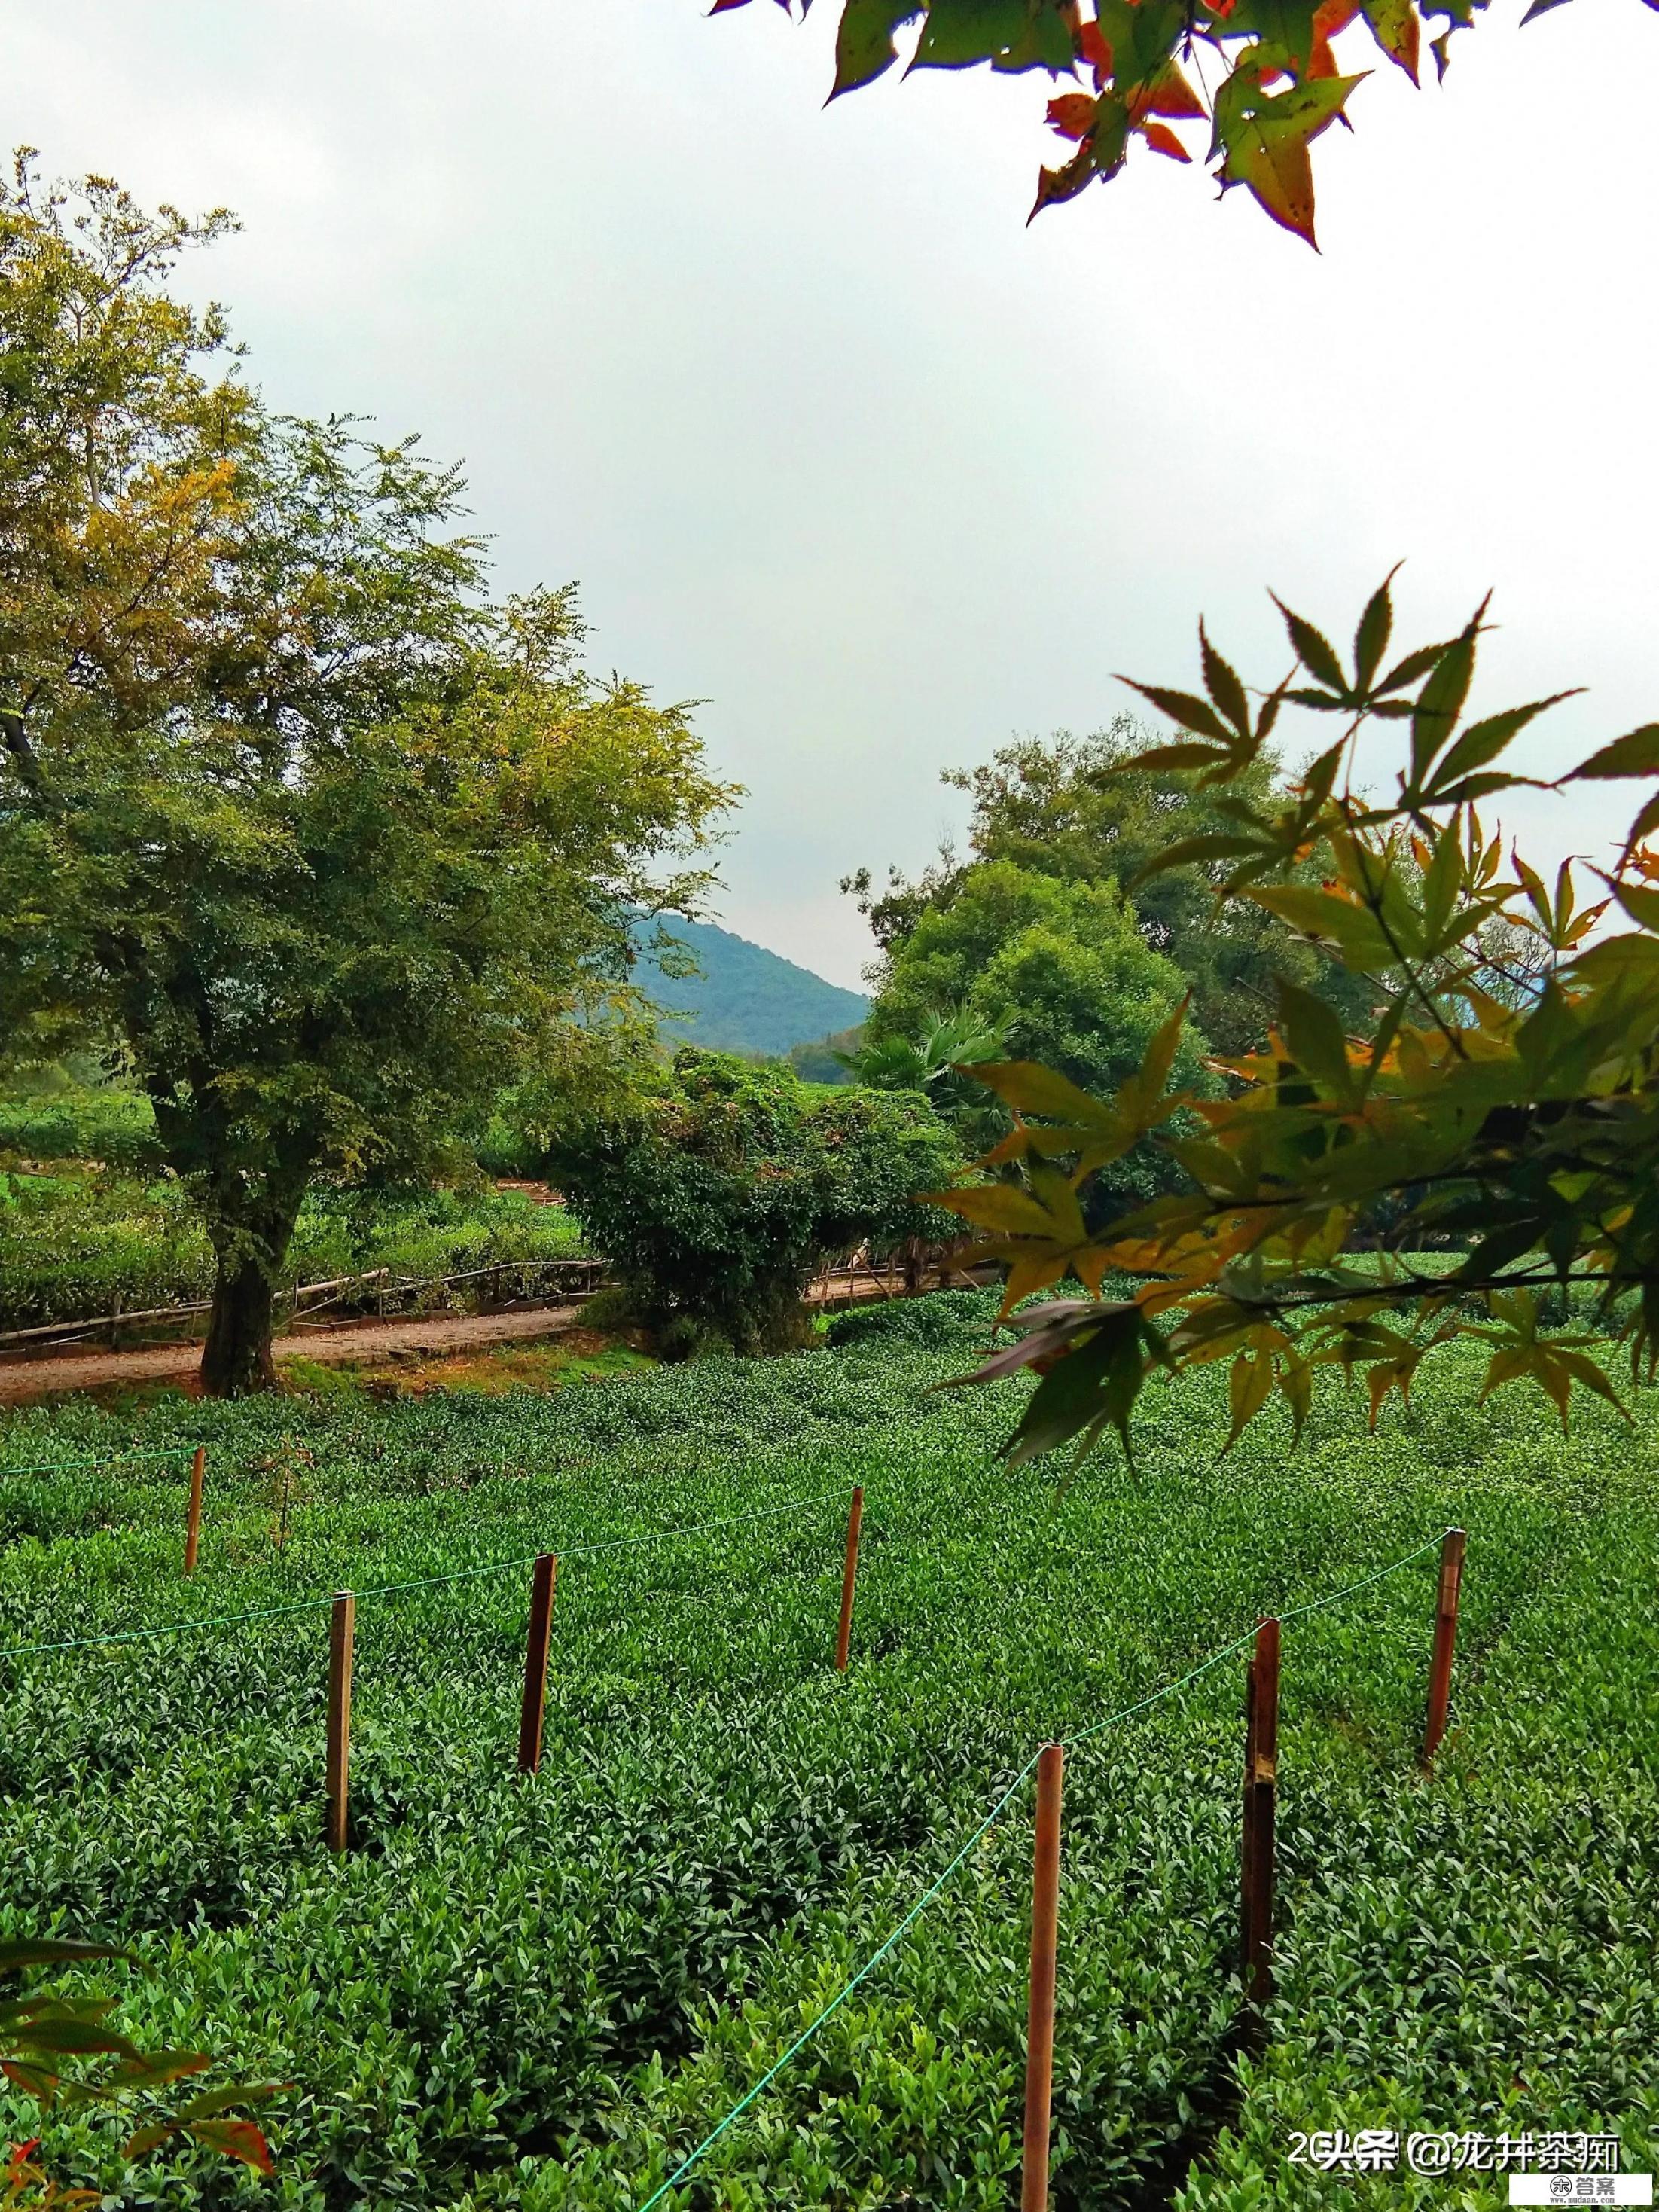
pixel 746 1000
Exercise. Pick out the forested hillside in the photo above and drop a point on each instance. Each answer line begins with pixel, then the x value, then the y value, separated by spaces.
pixel 746 999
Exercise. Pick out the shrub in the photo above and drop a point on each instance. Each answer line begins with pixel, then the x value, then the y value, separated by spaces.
pixel 113 1126
pixel 956 1318
pixel 717 1201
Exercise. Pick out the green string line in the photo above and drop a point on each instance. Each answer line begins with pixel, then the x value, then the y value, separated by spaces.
pixel 913 1915
pixel 166 1628
pixel 836 2002
pixel 121 1459
pixel 1315 1605
pixel 394 1590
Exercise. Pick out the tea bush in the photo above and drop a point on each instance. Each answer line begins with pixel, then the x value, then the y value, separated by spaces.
pixel 109 1124
pixel 75 1246
pixel 543 1994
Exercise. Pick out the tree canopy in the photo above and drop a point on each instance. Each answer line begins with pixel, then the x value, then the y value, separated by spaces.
pixel 329 842
pixel 1511 1106
pixel 1060 970
pixel 1132 62
pixel 1084 810
pixel 728 1185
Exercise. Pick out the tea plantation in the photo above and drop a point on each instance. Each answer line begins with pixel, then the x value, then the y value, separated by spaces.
pixel 545 1993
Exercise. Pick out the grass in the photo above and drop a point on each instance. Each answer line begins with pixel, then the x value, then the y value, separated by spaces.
pixel 544 1995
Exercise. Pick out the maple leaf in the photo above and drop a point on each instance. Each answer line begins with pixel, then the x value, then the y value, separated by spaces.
pixel 1100 154
pixel 1265 136
pixel 1073 115
pixel 864 45
pixel 1010 34
pixel 1092 48
pixel 1397 28
pixel 1331 19
pixel 1162 140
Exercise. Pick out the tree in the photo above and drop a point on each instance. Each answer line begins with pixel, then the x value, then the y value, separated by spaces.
pixel 936 1060
pixel 1060 969
pixel 331 843
pixel 827 1059
pixel 1511 1104
pixel 1082 810
pixel 718 1197
pixel 1280 87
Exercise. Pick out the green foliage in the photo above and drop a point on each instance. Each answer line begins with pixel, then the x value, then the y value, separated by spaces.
pixel 115 1127
pixel 826 1059
pixel 541 1995
pixel 936 1060
pixel 1082 810
pixel 330 843
pixel 1522 1123
pixel 1278 90
pixel 1060 969
pixel 717 1201
pixel 907 1324
pixel 73 1248
pixel 737 997
pixel 68 2053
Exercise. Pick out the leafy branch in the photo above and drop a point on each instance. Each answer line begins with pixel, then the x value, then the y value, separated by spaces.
pixel 1528 1133
pixel 66 2053
pixel 1280 88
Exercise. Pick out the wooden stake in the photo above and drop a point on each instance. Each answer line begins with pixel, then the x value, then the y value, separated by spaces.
pixel 341 1633
pixel 193 1518
pixel 1445 1638
pixel 1039 2016
pixel 543 1576
pixel 1261 1780
pixel 850 1578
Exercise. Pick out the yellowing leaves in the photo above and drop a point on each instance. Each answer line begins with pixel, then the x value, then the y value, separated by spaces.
pixel 1265 136
pixel 1503 1102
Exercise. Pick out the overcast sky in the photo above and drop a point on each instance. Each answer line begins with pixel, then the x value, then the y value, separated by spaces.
pixel 832 442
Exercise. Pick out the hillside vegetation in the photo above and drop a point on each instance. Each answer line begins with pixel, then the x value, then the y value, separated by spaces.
pixel 745 999
pixel 545 1994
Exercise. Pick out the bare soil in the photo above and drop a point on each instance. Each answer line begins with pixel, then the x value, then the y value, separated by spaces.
pixel 355 1343
pixel 346 1343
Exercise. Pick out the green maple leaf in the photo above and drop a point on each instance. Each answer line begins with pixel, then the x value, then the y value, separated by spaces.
pixel 1265 136
pixel 1395 25
pixel 864 42
pixel 1010 34
pixel 1286 25
pixel 1143 38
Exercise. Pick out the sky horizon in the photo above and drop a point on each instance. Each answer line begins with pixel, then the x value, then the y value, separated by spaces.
pixel 835 444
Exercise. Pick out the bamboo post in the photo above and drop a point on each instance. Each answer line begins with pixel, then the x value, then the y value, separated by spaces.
pixel 850 1578
pixel 1261 1782
pixel 341 1633
pixel 1445 1639
pixel 1040 2017
pixel 193 1515
pixel 543 1576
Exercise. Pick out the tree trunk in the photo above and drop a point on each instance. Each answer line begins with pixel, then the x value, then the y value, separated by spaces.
pixel 236 1358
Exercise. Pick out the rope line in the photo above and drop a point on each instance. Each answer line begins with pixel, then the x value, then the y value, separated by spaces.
pixel 1124 1713
pixel 1318 1604
pixel 837 2002
pixel 61 1466
pixel 394 1590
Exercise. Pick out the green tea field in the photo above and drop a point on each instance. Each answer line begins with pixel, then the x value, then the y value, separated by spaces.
pixel 549 1992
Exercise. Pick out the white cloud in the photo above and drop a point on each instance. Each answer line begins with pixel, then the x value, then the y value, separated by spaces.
pixel 834 442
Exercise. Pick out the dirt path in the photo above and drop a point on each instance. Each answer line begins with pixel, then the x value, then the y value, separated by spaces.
pixel 338 1344
pixel 348 1343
